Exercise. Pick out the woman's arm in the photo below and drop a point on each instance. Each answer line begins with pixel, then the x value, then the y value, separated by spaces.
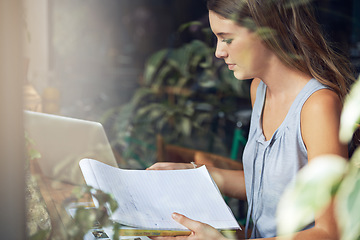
pixel 320 123
pixel 230 182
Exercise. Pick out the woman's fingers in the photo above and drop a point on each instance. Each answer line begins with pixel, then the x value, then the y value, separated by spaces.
pixel 199 230
pixel 186 222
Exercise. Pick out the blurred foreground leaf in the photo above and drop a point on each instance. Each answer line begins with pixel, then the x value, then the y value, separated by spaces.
pixel 348 201
pixel 350 116
pixel 310 193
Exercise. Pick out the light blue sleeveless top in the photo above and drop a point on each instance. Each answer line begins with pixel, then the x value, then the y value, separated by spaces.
pixel 270 165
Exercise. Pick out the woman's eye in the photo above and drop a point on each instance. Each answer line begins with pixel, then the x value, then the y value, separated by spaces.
pixel 228 41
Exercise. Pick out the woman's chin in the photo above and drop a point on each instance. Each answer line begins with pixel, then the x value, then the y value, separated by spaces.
pixel 240 75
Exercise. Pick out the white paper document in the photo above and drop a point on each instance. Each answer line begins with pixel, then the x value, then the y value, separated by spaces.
pixel 147 198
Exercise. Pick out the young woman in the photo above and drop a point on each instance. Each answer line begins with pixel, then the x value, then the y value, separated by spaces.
pixel 298 86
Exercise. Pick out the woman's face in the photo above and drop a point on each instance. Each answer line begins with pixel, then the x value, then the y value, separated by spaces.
pixel 241 49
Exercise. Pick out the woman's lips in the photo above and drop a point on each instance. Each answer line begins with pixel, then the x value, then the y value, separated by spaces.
pixel 231 66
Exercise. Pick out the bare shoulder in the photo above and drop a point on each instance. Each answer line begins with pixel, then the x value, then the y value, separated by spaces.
pixel 324 101
pixel 254 85
pixel 320 122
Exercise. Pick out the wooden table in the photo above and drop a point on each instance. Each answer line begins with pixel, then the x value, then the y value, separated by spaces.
pixel 55 194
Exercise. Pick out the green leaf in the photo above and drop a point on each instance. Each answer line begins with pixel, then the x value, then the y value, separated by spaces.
pixel 33 154
pixel 153 65
pixel 140 94
pixel 28 140
pixel 201 55
pixel 189 24
pixel 189 109
pixel 186 126
pixel 116 228
pixel 355 159
pixel 113 204
pixel 180 61
pixel 208 84
pixel 85 218
pixel 154 115
pixel 203 118
pixel 348 201
pixel 40 235
pixel 161 123
pixel 181 82
pixel 160 79
pixel 150 108
pixel 310 193
pixel 350 115
pixel 349 208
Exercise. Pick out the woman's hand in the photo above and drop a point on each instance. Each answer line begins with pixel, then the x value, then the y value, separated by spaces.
pixel 170 166
pixel 199 230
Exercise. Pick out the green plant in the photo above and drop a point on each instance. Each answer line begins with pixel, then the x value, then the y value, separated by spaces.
pixel 38 218
pixel 182 92
pixel 86 218
pixel 38 223
pixel 325 178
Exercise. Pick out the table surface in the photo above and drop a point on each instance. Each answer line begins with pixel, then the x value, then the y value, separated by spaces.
pixel 56 194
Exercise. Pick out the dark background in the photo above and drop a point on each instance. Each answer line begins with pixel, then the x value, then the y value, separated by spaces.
pixel 98 48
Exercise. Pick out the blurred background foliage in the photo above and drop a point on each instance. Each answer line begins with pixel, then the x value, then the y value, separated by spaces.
pixel 111 58
pixel 185 95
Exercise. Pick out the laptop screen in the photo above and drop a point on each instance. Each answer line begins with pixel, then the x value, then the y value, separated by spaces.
pixel 63 142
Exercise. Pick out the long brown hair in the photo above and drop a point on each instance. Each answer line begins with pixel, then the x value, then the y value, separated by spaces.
pixel 290 29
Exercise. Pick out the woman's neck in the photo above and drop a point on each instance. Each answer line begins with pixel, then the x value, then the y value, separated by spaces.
pixel 282 81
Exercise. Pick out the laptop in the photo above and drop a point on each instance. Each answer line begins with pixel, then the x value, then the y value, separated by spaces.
pixel 64 141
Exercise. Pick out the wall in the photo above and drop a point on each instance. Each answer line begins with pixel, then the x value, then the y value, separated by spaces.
pixel 12 179
pixel 36 42
pixel 98 48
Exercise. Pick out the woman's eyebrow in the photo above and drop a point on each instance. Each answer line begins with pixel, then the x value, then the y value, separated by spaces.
pixel 222 34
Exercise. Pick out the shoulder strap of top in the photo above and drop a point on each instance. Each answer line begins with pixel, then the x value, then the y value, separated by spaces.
pixel 260 97
pixel 312 86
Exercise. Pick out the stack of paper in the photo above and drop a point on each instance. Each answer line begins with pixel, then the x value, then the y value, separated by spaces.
pixel 147 198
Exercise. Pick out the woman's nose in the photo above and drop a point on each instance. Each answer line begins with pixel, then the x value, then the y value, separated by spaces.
pixel 220 51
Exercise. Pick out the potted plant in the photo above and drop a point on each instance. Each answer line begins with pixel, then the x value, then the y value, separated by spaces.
pixel 183 94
